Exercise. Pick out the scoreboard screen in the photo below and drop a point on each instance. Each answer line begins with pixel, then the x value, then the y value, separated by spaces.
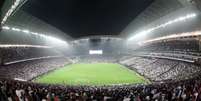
pixel 98 52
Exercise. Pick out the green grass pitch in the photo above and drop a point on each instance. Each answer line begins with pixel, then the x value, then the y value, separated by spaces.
pixel 97 74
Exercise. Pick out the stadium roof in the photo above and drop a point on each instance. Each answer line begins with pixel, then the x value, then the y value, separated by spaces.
pixel 73 19
pixel 78 18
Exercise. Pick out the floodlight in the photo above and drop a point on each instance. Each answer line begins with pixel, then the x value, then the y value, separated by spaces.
pixel 22 45
pixel 6 27
pixel 9 12
pixel 34 33
pixel 50 38
pixel 16 29
pixel 187 34
pixel 183 18
pixel 25 31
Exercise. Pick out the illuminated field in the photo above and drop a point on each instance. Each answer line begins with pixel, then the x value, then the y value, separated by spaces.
pixel 92 74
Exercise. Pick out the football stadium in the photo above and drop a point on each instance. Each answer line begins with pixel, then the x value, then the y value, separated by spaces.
pixel 100 50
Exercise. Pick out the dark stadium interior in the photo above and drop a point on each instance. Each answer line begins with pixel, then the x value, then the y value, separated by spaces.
pixel 80 18
pixel 156 45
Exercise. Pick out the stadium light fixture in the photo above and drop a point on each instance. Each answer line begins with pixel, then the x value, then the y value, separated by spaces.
pixel 179 19
pixel 15 29
pixel 53 39
pixel 10 11
pixel 42 35
pixel 22 45
pixel 34 33
pixel 187 34
pixel 6 27
pixel 26 31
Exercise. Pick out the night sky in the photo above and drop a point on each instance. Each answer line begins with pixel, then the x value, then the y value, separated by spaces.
pixel 80 18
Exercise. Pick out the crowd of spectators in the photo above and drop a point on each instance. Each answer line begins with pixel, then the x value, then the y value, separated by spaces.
pixel 185 80
pixel 188 90
pixel 177 48
pixel 32 68
pixel 153 68
pixel 182 45
pixel 20 53
pixel 161 69
pixel 95 58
